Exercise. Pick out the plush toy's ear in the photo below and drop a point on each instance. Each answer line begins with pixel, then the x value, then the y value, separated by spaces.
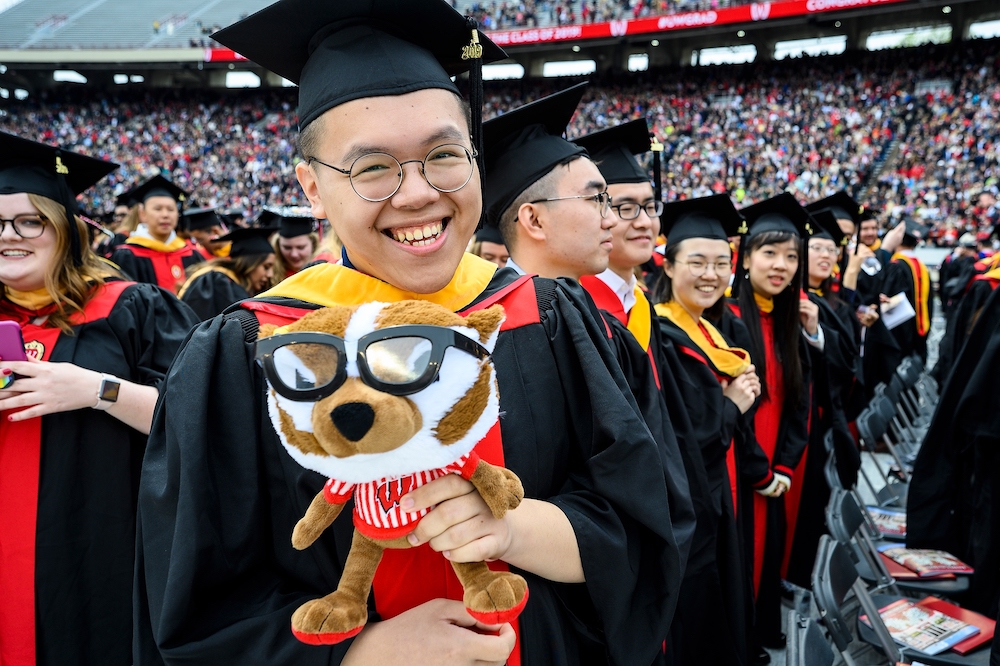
pixel 266 331
pixel 487 324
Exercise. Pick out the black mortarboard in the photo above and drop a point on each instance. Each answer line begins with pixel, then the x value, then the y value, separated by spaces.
pixel 489 235
pixel 826 220
pixel 914 231
pixel 249 241
pixel 36 168
pixel 613 151
pixel 349 49
pixel 704 217
pixel 157 186
pixel 525 144
pixel 292 225
pixel 201 218
pixel 780 213
pixel 842 205
pixel 266 218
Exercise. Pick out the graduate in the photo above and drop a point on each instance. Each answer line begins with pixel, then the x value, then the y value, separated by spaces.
pixel 965 313
pixel 246 270
pixel 550 203
pixel 216 574
pixel 153 252
pixel 295 243
pixel 834 367
pixel 908 275
pixel 779 321
pixel 74 420
pixel 204 226
pixel 488 244
pixel 718 386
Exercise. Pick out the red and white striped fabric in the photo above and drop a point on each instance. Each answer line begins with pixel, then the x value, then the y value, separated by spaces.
pixel 377 513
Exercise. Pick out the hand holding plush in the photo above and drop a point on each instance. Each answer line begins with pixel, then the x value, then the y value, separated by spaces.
pixel 383 398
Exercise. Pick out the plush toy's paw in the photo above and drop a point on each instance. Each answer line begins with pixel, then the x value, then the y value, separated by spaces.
pixel 513 491
pixel 501 600
pixel 332 619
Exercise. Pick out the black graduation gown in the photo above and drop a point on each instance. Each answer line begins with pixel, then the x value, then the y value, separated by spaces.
pixel 963 315
pixel 166 269
pixel 88 483
pixel 216 575
pixel 954 496
pixel 107 246
pixel 899 278
pixel 833 372
pixel 212 292
pixel 713 612
pixel 953 278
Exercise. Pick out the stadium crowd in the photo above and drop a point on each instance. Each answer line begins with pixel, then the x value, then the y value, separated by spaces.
pixel 809 126
pixel 535 13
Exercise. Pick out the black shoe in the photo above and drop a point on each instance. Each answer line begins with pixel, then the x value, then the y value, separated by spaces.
pixel 762 658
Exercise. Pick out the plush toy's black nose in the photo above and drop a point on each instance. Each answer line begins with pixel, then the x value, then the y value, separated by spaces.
pixel 353 419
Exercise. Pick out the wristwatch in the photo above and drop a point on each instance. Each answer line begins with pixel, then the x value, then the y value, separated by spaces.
pixel 107 395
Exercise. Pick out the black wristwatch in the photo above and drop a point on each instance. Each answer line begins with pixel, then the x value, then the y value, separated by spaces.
pixel 107 395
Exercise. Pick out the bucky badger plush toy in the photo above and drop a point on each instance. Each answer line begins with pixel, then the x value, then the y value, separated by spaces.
pixel 382 398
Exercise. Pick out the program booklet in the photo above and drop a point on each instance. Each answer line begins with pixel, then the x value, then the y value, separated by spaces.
pixel 897 311
pixel 919 628
pixel 926 562
pixel 890 522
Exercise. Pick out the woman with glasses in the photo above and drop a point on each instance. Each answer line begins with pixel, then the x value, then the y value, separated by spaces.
pixel 390 159
pixel 718 386
pixel 834 373
pixel 76 405
pixel 777 321
pixel 246 271
pixel 296 243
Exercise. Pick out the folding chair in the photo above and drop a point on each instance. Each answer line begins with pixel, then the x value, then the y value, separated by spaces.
pixel 832 477
pixel 806 644
pixel 909 373
pixel 900 437
pixel 845 520
pixel 833 578
pixel 926 385
pixel 871 428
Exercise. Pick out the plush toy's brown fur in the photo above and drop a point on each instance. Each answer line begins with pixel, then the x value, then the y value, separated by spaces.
pixel 488 594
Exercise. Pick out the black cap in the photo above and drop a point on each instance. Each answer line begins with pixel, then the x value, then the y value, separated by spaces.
pixel 525 144
pixel 247 242
pixel 30 167
pixel 201 218
pixel 157 186
pixel 826 221
pixel 712 217
pixel 489 235
pixel 842 205
pixel 613 151
pixel 780 213
pixel 296 224
pixel 349 49
pixel 914 231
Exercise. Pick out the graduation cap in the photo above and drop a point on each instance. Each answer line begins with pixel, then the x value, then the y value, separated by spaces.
pixel 914 231
pixel 613 151
pixel 292 225
pixel 826 220
pixel 489 235
pixel 842 205
pixel 712 217
pixel 157 186
pixel 247 242
pixel 36 168
pixel 525 144
pixel 201 218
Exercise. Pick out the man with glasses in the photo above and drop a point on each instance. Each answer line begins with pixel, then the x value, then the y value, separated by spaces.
pixel 390 160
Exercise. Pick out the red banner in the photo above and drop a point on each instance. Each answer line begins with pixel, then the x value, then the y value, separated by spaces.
pixel 222 55
pixel 758 11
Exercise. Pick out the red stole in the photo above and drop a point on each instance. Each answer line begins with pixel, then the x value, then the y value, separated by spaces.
pixel 921 291
pixel 20 467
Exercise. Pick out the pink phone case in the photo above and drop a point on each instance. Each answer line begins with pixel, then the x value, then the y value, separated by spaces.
pixel 11 342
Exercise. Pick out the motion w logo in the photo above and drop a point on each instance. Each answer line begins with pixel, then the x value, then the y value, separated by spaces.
pixel 759 11
pixel 619 28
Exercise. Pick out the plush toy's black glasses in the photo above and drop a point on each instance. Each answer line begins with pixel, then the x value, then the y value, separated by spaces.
pixel 399 360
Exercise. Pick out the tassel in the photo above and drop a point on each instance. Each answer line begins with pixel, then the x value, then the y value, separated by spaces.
pixel 68 200
pixel 474 52
pixel 657 149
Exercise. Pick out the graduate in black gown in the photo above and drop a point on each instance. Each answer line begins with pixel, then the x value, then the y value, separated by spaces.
pixel 717 387
pixel 246 271
pixel 154 253
pixel 954 497
pixel 216 574
pixel 74 421
pixel 204 227
pixel 907 274
pixel 532 176
pixel 834 367
pixel 965 312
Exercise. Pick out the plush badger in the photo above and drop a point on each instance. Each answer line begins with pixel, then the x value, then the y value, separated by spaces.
pixel 382 398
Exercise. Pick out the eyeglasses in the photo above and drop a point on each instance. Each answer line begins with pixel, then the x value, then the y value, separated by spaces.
pixel 823 249
pixel 603 199
pixel 699 268
pixel 400 360
pixel 25 226
pixel 378 176
pixel 630 210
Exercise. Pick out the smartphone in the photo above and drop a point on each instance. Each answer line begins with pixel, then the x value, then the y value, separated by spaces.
pixel 11 348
